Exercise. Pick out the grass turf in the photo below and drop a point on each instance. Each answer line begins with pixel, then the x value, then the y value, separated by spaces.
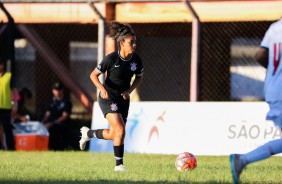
pixel 80 167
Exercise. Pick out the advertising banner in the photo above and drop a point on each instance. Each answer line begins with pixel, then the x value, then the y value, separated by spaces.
pixel 202 128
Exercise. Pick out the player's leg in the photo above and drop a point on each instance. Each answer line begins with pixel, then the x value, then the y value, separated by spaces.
pixel 117 120
pixel 271 148
pixel 237 166
pixel 117 134
pixel 239 161
pixel 108 134
pixel 87 134
pixel 119 147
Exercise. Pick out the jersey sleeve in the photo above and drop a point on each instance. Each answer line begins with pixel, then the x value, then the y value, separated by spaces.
pixel 104 65
pixel 266 39
pixel 140 69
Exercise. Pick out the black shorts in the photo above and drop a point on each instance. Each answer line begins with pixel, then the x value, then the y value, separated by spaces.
pixel 118 105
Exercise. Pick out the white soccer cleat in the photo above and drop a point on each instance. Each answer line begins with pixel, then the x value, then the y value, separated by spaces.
pixel 120 168
pixel 84 137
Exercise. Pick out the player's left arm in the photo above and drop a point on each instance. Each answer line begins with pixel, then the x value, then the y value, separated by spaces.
pixel 135 84
pixel 138 76
pixel 137 80
pixel 262 56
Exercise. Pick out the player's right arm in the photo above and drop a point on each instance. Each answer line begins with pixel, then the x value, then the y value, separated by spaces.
pixel 94 78
pixel 102 68
pixel 262 55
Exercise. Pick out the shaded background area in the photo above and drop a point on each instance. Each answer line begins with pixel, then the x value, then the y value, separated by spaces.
pixel 226 68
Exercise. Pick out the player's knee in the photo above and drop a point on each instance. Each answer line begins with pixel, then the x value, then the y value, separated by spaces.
pixel 120 131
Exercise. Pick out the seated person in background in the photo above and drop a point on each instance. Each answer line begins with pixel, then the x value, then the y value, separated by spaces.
pixel 20 113
pixel 56 119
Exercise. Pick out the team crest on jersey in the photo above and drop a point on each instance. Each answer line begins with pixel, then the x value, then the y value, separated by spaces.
pixel 133 66
pixel 61 106
pixel 114 107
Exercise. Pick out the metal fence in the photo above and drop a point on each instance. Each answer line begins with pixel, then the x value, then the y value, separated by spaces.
pixel 227 69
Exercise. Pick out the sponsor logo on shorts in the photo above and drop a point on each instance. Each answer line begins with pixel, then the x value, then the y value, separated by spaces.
pixel 114 107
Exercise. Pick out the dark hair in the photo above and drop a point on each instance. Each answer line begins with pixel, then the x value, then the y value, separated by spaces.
pixel 25 92
pixel 119 31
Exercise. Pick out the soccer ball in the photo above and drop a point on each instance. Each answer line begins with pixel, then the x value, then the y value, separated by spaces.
pixel 185 162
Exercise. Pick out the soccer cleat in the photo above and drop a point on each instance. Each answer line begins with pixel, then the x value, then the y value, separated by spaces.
pixel 236 167
pixel 84 137
pixel 120 168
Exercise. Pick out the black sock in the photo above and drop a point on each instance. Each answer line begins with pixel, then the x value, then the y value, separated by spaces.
pixel 96 133
pixel 119 151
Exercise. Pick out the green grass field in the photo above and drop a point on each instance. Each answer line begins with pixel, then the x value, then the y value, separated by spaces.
pixel 80 167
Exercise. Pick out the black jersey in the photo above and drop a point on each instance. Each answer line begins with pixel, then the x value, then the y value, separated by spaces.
pixel 119 71
pixel 57 107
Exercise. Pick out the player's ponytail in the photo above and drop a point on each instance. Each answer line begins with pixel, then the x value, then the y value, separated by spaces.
pixel 119 31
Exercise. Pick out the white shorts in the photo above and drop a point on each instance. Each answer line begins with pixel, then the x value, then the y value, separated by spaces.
pixel 275 113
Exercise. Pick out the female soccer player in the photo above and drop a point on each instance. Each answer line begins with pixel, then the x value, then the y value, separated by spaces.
pixel 269 56
pixel 114 96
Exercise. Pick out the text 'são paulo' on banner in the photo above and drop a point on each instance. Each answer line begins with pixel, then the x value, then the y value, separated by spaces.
pixel 203 128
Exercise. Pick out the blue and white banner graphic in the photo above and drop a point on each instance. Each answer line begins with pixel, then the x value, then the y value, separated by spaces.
pixel 202 128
